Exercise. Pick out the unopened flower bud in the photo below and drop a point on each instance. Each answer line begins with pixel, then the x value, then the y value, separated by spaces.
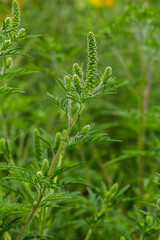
pixel 45 167
pixel 5 44
pixel 85 129
pixel 34 204
pixel 9 62
pixel 122 238
pixel 39 174
pixel 21 32
pixel 63 132
pixel 107 74
pixel 7 22
pixel 57 142
pixel 77 70
pixel 67 80
pixel 77 83
pixel 149 220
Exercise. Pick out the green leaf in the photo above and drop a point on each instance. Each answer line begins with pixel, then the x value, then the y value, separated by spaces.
pixel 62 103
pixel 10 90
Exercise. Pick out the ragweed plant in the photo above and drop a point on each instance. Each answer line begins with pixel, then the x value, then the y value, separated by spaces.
pixel 11 32
pixel 40 187
pixel 79 90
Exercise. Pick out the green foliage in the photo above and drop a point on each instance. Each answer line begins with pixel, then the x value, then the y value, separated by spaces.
pixel 96 179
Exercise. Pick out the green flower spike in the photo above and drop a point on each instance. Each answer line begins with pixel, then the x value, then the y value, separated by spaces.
pixel 107 74
pixel 63 132
pixel 39 174
pixel 85 129
pixel 15 14
pixel 21 32
pixel 5 44
pixel 92 59
pixel 122 238
pixel 77 84
pixel 9 63
pixel 37 146
pixel 7 22
pixel 2 145
pixel 77 70
pixel 149 220
pixel 67 80
pixel 45 167
pixel 57 142
pixel 34 204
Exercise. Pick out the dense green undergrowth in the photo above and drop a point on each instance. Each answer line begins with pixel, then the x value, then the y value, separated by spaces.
pixel 79 140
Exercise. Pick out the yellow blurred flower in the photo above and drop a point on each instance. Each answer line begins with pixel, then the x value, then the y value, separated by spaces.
pixel 102 3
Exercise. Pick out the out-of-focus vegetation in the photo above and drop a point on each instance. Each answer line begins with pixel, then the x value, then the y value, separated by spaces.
pixel 114 192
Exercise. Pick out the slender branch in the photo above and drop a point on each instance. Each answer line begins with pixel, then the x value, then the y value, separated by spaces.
pixel 42 220
pixel 69 107
pixel 65 137
pixel 70 117
pixel 49 173
pixel 141 132
pixel 88 234
pixel 31 215
pixel 94 91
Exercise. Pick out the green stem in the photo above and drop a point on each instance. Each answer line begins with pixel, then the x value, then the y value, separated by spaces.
pixel 141 132
pixel 88 234
pixel 65 137
pixel 49 173
pixel 42 220
pixel 31 215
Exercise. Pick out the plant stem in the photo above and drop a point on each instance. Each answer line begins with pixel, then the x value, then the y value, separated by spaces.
pixel 49 173
pixel 141 132
pixel 69 105
pixel 65 137
pixel 42 220
pixel 88 234
pixel 31 215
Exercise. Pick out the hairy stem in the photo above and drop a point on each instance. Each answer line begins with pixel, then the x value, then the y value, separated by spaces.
pixel 49 173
